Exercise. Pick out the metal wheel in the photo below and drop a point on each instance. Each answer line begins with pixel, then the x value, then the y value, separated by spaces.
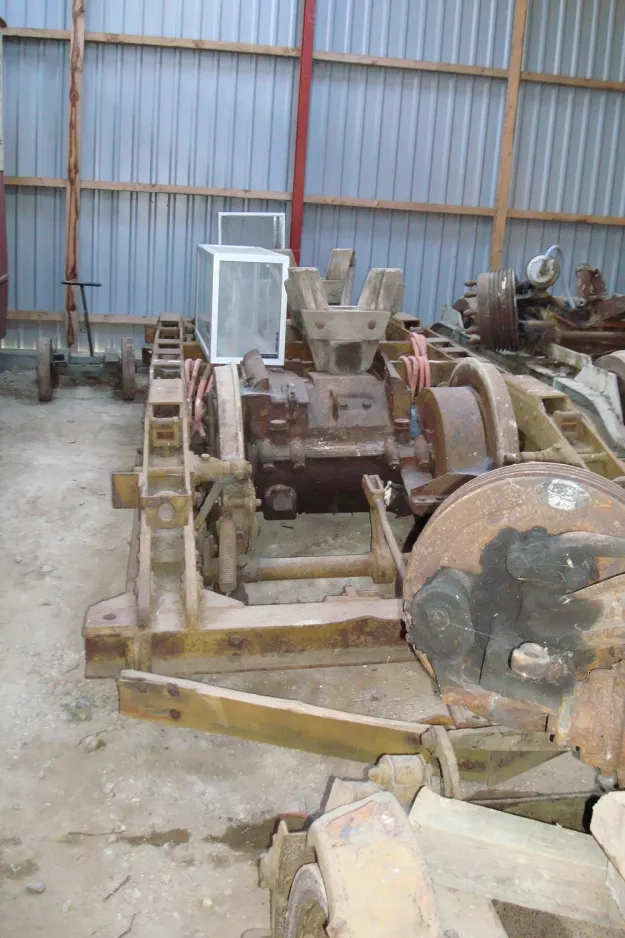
pixel 46 371
pixel 307 911
pixel 129 370
pixel 500 427
pixel 497 318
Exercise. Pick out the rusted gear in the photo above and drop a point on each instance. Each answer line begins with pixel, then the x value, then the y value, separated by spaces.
pixel 502 435
pixel 497 317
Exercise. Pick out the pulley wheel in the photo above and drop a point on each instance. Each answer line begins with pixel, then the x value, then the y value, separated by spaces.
pixel 46 370
pixel 497 318
pixel 551 496
pixel 502 434
pixel 129 370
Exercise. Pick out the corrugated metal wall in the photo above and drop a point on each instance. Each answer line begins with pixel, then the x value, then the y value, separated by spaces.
pixel 223 119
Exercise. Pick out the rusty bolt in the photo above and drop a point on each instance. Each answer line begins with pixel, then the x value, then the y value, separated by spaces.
pixel 530 661
pixel 141 687
pixel 175 714
pixel 173 691
pixel 235 641
pixel 366 405
pixel 371 324
pixel 320 324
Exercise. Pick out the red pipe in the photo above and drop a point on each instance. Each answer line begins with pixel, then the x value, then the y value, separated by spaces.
pixel 301 130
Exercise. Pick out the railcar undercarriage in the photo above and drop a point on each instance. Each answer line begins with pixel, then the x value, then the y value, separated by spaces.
pixel 511 596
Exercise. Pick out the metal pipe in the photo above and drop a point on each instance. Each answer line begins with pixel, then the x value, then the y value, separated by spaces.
pixel 301 131
pixel 261 569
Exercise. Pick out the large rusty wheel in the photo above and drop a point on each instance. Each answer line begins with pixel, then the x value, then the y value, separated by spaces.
pixel 500 427
pixel 497 318
pixel 556 497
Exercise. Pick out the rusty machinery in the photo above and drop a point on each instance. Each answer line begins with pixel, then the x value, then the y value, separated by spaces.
pixel 503 313
pixel 511 596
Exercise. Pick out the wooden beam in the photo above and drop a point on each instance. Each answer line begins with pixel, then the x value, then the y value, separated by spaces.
pixel 116 319
pixel 289 723
pixel 426 208
pixel 573 81
pixel 77 55
pixel 340 58
pixel 507 137
pixel 393 205
pixel 617 221
pixel 410 65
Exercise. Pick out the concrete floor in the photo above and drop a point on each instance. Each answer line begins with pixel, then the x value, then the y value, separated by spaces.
pixel 159 830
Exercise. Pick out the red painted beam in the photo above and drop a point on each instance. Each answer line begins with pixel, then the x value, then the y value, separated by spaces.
pixel 301 130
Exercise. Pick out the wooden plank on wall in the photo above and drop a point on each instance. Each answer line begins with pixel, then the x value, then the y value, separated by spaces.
pixel 507 136
pixel 345 58
pixel 77 56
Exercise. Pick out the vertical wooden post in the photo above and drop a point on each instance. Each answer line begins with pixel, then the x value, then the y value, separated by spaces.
pixel 301 131
pixel 76 61
pixel 507 136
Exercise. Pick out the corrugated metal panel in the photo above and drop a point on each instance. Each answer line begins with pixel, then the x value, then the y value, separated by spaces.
pixel 38 14
pixel 599 245
pixel 409 136
pixel 187 118
pixel 143 247
pixel 436 252
pixel 576 37
pixel 36 236
pixel 268 22
pixel 570 151
pixel 468 32
pixel 35 78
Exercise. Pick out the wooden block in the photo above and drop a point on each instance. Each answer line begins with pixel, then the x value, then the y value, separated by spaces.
pixel 513 859
pixel 341 259
pixel 371 289
pixel 608 827
pixel 467 916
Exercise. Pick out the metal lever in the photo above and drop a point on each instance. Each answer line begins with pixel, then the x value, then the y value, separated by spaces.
pixel 83 296
pixel 373 487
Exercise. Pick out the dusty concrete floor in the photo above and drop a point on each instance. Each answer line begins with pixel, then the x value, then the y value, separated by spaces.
pixel 138 833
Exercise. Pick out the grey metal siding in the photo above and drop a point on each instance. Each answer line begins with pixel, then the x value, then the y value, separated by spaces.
pixel 466 32
pixel 437 252
pixel 267 22
pixel 35 107
pixel 407 136
pixel 576 37
pixel 570 151
pixel 188 117
pixel 184 117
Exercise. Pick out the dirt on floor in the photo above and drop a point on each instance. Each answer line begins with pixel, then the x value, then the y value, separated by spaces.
pixel 111 827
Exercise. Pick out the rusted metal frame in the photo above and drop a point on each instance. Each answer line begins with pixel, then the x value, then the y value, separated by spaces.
pixel 76 58
pixel 488 755
pixel 508 134
pixel 166 494
pixel 301 127
pixel 232 637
